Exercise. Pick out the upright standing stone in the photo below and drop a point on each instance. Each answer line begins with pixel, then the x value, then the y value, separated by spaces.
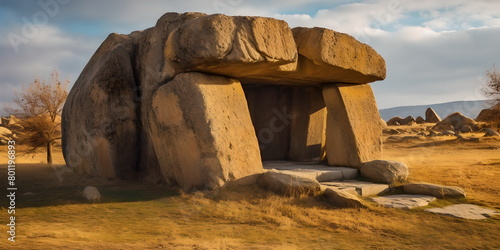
pixel 353 129
pixel 202 132
pixel 99 123
pixel 308 125
pixel 431 116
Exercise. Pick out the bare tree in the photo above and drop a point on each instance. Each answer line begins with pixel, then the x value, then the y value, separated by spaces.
pixel 492 86
pixel 39 108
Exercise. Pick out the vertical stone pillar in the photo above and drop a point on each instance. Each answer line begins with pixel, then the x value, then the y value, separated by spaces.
pixel 202 132
pixel 308 124
pixel 353 131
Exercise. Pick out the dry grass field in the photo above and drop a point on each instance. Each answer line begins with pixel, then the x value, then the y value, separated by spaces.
pixel 51 213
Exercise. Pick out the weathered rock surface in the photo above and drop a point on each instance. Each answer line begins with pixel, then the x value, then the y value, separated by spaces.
pixel 394 121
pixel 404 201
pixel 328 56
pixel 239 46
pixel 342 199
pixel 488 132
pixel 489 115
pixel 353 135
pixel 456 120
pixel 438 191
pixel 420 120
pixel 389 172
pixel 153 70
pixel 465 211
pixel 431 116
pixel 196 155
pixel 407 121
pixel 99 123
pixel 288 184
pixel 124 128
pixel 466 129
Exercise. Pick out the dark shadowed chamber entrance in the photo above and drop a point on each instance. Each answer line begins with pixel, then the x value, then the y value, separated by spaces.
pixel 289 121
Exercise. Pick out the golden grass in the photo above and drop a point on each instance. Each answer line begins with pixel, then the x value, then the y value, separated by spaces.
pixel 140 216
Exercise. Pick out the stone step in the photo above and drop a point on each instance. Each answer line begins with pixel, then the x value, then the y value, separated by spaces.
pixel 362 188
pixel 313 170
pixel 404 201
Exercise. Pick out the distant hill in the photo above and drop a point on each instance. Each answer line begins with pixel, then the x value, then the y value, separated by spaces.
pixel 468 108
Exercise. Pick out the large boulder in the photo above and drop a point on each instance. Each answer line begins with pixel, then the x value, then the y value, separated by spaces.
pixel 437 191
pixel 99 122
pixel 288 184
pixel 420 120
pixel 389 172
pixel 329 56
pixel 353 135
pixel 455 120
pixel 395 121
pixel 407 121
pixel 431 116
pixel 235 46
pixel 489 115
pixel 205 120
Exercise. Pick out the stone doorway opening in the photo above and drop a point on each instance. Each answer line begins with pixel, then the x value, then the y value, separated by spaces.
pixel 289 121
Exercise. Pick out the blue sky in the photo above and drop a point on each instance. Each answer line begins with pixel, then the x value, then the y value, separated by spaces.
pixel 436 51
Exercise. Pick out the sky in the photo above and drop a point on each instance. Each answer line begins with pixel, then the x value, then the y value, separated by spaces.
pixel 435 51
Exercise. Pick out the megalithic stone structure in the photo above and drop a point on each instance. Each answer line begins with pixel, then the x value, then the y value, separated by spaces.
pixel 199 100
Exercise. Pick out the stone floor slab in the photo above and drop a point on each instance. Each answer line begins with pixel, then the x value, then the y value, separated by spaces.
pixel 313 170
pixel 404 201
pixel 465 211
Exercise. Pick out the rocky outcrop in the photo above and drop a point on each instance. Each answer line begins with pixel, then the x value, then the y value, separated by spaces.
pixel 407 121
pixel 353 135
pixel 431 116
pixel 176 102
pixel 489 115
pixel 420 120
pixel 395 121
pixel 437 191
pixel 388 172
pixel 455 121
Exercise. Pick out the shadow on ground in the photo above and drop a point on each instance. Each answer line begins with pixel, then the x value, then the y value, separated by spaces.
pixel 40 185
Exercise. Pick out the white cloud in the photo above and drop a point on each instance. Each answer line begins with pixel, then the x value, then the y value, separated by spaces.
pixel 435 50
